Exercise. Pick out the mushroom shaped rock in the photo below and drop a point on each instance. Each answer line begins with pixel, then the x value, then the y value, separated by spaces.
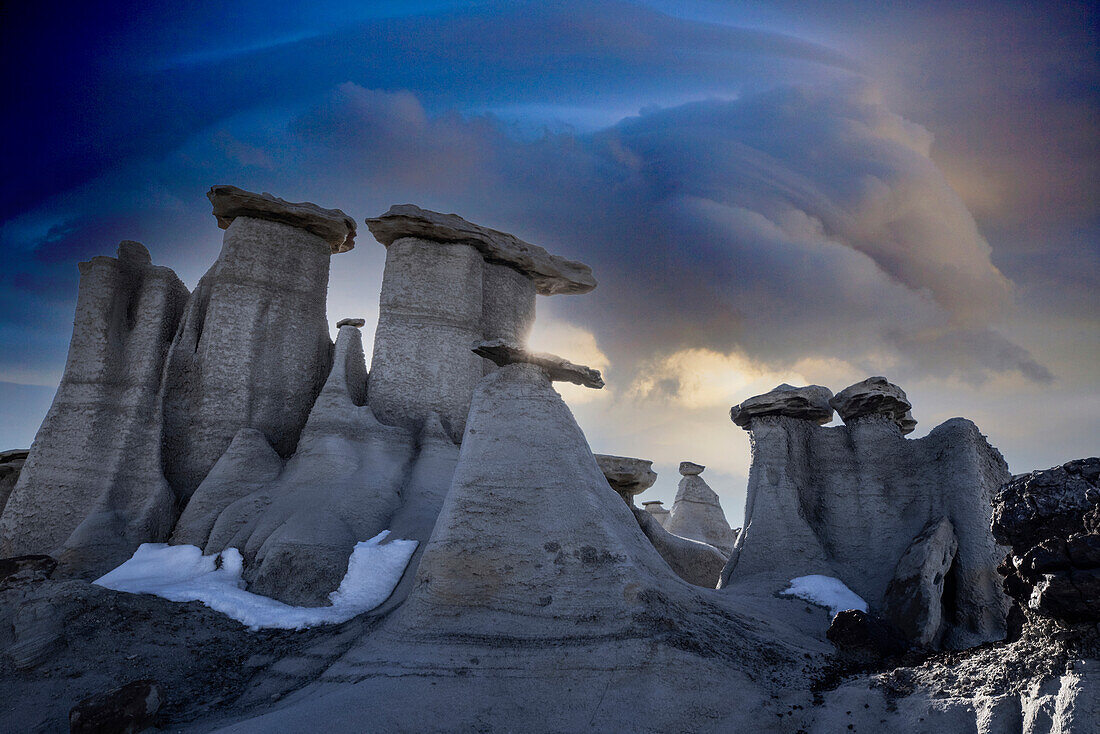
pixel 91 488
pixel 627 476
pixel 658 510
pixel 557 368
pixel 253 350
pixel 871 397
pixel 810 403
pixel 697 515
pixel 331 225
pixel 551 274
pixel 341 486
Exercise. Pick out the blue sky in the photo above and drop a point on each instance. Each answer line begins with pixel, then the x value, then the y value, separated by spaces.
pixel 767 191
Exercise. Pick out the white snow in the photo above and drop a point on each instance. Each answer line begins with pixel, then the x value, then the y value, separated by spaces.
pixel 825 591
pixel 182 573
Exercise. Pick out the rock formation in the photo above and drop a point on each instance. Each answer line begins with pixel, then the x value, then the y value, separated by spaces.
pixel 628 477
pixel 502 352
pixel 914 599
pixel 696 512
pixel 874 396
pixel 92 489
pixel 448 285
pixel 1051 521
pixel 694 561
pixel 11 464
pixel 809 403
pixel 253 350
pixel 657 509
pixel 849 502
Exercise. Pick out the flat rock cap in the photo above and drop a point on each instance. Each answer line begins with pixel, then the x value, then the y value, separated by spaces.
pixel 551 274
pixel 810 403
pixel 874 396
pixel 560 370
pixel 357 323
pixel 331 225
pixel 627 475
pixel 690 468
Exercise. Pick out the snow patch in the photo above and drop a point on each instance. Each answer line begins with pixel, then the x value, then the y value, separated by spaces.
pixel 182 573
pixel 825 591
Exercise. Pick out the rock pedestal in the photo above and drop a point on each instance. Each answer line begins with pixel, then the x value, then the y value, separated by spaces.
pixel 449 285
pixel 253 350
pixel 658 510
pixel 697 514
pixel 849 501
pixel 92 489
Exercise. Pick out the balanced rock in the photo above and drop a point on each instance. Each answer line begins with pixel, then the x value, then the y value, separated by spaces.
pixel 11 464
pixel 697 513
pixel 357 323
pixel 253 350
pixel 658 510
pixel 848 502
pixel 914 600
pixel 690 468
pixel 441 295
pixel 503 352
pixel 92 487
pixel 1051 520
pixel 874 396
pixel 550 273
pixel 331 225
pixel 627 476
pixel 809 403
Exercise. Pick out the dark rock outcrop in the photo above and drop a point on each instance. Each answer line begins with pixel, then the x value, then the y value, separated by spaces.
pixel 11 464
pixel 1051 519
pixel 863 638
pixel 129 709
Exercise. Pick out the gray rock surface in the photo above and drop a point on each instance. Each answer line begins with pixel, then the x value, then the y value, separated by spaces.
pixel 11 464
pixel 690 468
pixel 551 274
pixel 697 513
pixel 809 403
pixel 848 501
pixel 559 369
pixel 697 563
pixel 92 489
pixel 627 476
pixel 874 396
pixel 658 510
pixel 253 350
pixel 914 599
pixel 342 486
pixel 331 225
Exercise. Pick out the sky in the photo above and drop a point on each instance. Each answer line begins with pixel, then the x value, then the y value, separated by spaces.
pixel 767 192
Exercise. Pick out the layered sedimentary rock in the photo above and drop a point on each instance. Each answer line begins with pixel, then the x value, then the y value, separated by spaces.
pixel 11 464
pixel 253 350
pixel 342 485
pixel 627 476
pixel 696 512
pixel 874 396
pixel 1051 521
pixel 449 285
pixel 849 501
pixel 810 403
pixel 92 487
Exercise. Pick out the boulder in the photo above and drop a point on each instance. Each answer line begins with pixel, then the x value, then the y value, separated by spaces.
pixel 874 396
pixel 690 468
pixel 502 353
pixel 253 350
pixel 550 273
pixel 129 709
pixel 809 403
pixel 697 513
pixel 914 599
pixel 1050 520
pixel 863 638
pixel 357 323
pixel 331 225
pixel 92 489
pixel 627 476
